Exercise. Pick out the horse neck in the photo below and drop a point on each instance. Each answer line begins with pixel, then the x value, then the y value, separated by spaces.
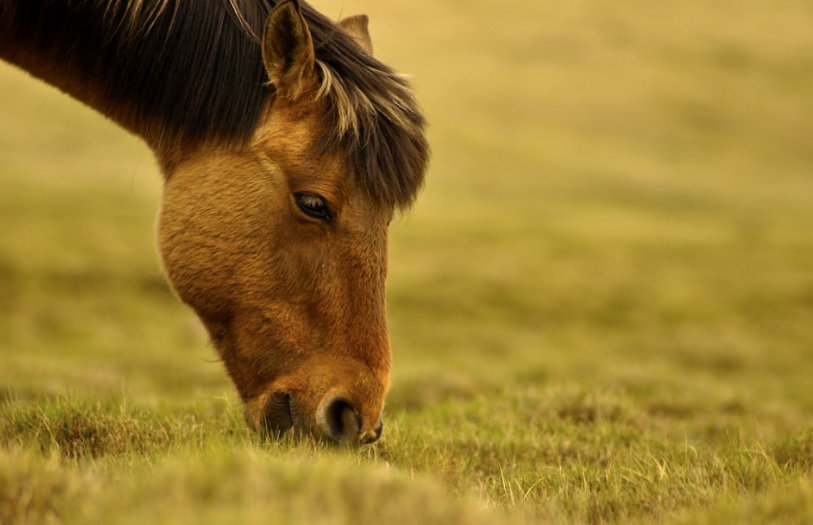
pixel 183 75
pixel 33 54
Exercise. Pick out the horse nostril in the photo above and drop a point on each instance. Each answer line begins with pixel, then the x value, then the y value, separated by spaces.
pixel 277 418
pixel 341 420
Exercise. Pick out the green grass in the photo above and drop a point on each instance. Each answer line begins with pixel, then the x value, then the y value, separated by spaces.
pixel 601 308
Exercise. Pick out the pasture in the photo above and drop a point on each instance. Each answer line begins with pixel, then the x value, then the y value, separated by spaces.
pixel 601 307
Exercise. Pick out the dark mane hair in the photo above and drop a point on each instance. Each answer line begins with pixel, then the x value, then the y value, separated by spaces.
pixel 191 71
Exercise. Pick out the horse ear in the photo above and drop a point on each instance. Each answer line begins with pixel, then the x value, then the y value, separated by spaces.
pixel 288 52
pixel 356 27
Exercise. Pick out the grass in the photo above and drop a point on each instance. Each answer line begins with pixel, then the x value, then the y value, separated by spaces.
pixel 601 308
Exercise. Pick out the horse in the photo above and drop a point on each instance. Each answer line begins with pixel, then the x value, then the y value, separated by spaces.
pixel 286 149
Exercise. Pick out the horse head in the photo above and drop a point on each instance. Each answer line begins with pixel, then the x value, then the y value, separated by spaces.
pixel 281 248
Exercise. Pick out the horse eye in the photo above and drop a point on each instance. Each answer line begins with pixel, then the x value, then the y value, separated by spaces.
pixel 313 206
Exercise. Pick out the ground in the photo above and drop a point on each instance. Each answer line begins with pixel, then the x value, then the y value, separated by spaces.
pixel 601 308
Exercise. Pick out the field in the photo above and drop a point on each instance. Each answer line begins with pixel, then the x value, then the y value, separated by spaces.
pixel 601 307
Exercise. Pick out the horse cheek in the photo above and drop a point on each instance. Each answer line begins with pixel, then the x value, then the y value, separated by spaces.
pixel 195 263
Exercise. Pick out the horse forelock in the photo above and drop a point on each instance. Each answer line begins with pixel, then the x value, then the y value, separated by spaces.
pixel 371 114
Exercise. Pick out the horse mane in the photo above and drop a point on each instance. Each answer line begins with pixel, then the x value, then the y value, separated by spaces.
pixel 191 72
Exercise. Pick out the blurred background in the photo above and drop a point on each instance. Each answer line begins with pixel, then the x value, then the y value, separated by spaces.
pixel 620 197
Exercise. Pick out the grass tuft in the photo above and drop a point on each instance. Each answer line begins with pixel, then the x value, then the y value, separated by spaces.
pixel 33 488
